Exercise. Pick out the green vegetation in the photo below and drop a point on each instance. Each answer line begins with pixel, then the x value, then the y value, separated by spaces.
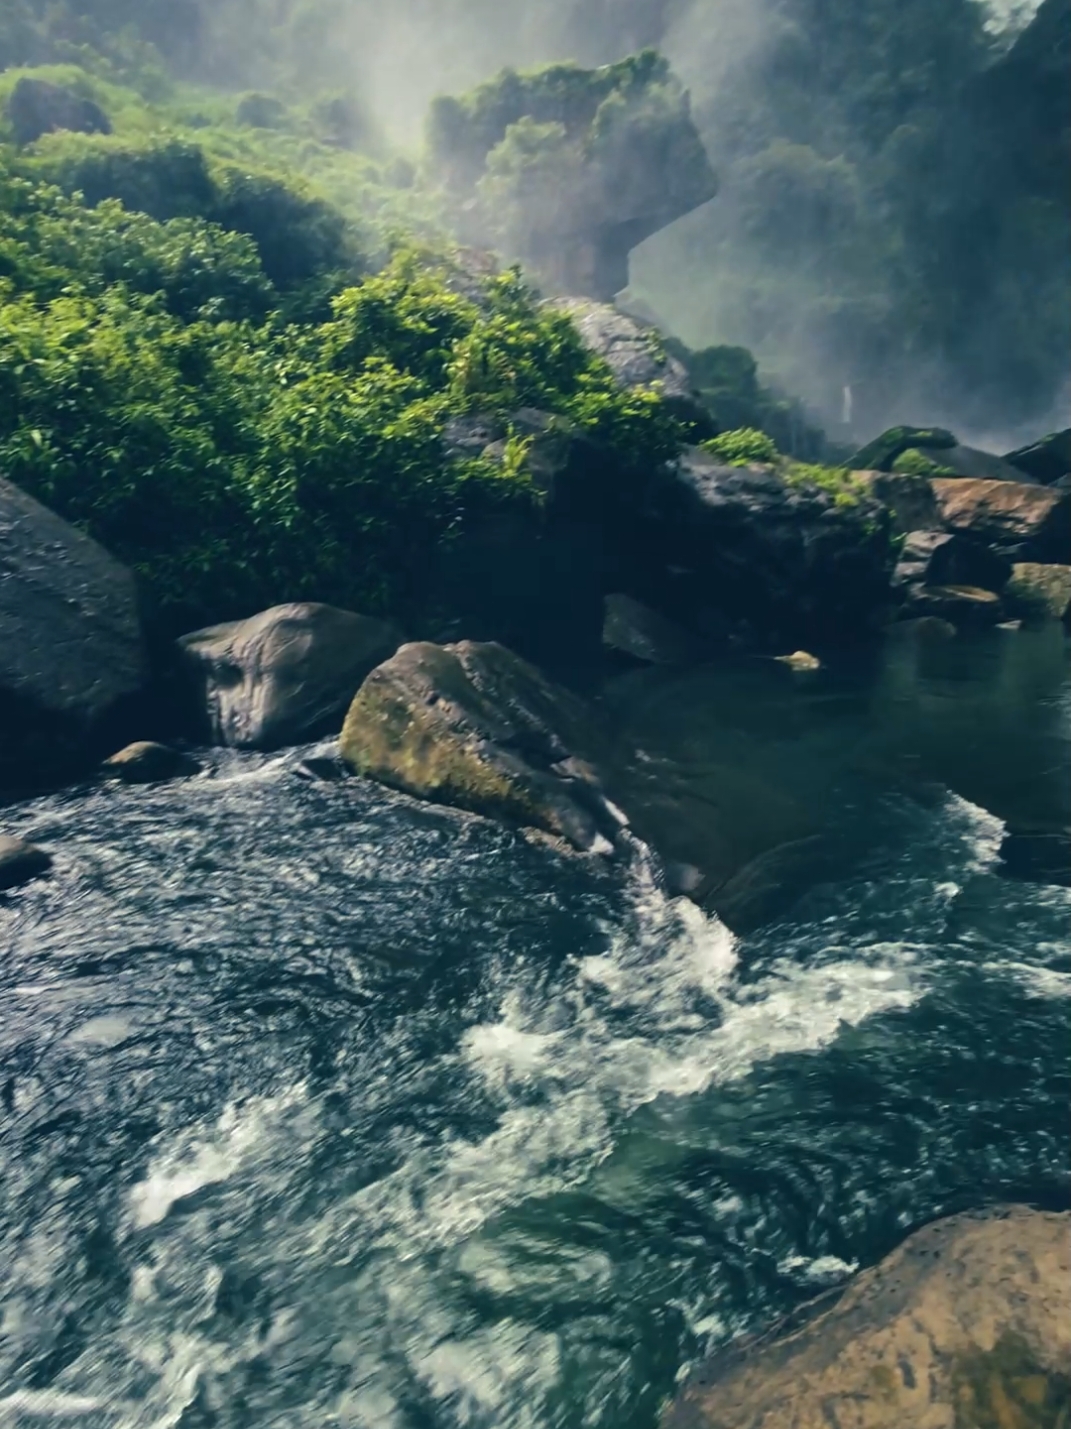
pixel 159 387
pixel 916 463
pixel 742 447
pixel 747 446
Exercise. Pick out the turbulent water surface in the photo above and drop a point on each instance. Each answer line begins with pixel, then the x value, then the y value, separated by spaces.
pixel 319 1107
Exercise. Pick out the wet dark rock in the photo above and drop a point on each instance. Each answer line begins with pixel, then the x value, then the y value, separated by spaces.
pixel 1012 520
pixel 37 107
pixel 475 727
pixel 283 676
pixel 963 460
pixel 71 650
pixel 146 762
pixel 633 629
pixel 20 862
pixel 940 558
pixel 967 1323
pixel 321 770
pixel 909 498
pixel 1047 460
pixel 716 544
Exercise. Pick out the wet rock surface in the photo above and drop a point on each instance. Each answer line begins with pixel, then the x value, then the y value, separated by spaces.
pixel 146 762
pixel 282 676
pixel 475 727
pixel 20 862
pixel 967 1324
pixel 70 640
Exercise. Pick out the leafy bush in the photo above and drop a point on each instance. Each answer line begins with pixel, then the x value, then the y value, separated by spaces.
pixel 742 447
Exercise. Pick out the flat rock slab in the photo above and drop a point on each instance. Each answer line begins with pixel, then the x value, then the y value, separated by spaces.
pixel 1016 521
pixel 967 1325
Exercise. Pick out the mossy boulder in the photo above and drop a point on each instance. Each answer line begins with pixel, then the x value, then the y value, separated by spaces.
pixel 1047 460
pixel 882 453
pixel 1039 591
pixel 475 727
pixel 966 1326
pixel 37 107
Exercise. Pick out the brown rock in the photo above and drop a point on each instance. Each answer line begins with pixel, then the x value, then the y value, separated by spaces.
pixel 20 861
pixel 148 763
pixel 967 1324
pixel 963 605
pixel 1019 522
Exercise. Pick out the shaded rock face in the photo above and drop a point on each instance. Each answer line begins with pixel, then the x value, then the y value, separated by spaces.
pixel 1047 461
pixel 285 675
pixel 940 559
pixel 1014 521
pixel 967 1324
pixel 965 606
pixel 70 640
pixel 715 544
pixel 475 727
pixel 20 862
pixel 37 108
pixel 910 499
pixel 528 579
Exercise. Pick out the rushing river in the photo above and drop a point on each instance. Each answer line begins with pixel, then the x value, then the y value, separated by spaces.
pixel 319 1107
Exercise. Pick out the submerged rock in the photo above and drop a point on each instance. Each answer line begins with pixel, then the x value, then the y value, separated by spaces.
pixel 70 641
pixel 20 861
pixel 1040 590
pixel 801 661
pixel 967 1324
pixel 474 726
pixel 146 762
pixel 632 628
pixel 37 107
pixel 285 675
pixel 1013 520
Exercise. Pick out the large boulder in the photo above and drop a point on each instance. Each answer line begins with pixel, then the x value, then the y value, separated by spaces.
pixel 967 1324
pixel 1047 460
pixel 283 676
pixel 883 451
pixel 71 649
pixel 796 563
pixel 37 107
pixel 1013 520
pixel 635 353
pixel 474 726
